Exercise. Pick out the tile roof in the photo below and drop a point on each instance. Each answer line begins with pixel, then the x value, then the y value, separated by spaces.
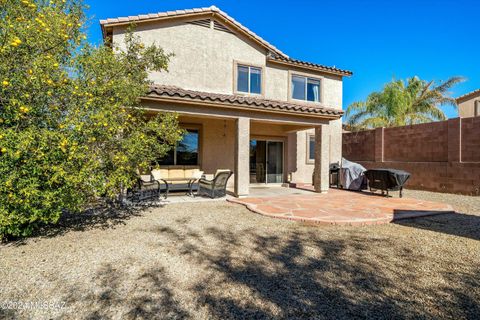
pixel 277 55
pixel 164 91
pixel 467 95
pixel 309 65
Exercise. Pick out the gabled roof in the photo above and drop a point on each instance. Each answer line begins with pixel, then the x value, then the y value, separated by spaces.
pixel 171 93
pixel 274 54
pixel 468 95
pixel 212 11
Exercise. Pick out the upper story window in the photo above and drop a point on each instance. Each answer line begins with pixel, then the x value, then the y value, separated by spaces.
pixel 249 79
pixel 476 110
pixel 305 88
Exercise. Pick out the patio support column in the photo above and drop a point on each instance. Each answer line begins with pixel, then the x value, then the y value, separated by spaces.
pixel 242 153
pixel 322 159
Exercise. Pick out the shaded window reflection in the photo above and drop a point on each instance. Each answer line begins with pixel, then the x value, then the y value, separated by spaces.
pixel 187 149
pixel 255 80
pixel 242 79
pixel 298 88
pixel 185 152
pixel 311 149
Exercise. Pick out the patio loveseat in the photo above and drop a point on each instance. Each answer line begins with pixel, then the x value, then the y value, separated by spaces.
pixel 177 178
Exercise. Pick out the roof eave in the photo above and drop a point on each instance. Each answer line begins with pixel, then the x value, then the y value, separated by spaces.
pixel 241 106
pixel 343 73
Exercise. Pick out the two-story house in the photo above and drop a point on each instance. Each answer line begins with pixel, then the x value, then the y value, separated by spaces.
pixel 469 104
pixel 247 106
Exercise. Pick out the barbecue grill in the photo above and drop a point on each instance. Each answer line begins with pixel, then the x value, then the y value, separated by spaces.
pixel 386 180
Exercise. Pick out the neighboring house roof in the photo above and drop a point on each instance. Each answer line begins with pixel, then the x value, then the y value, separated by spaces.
pixel 176 93
pixel 468 96
pixel 276 56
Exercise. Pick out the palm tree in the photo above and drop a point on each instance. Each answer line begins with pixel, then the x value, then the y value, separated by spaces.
pixel 400 104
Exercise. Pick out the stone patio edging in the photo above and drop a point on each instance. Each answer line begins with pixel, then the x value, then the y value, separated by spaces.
pixel 252 204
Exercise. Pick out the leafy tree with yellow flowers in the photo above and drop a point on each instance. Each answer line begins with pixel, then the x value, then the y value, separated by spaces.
pixel 71 129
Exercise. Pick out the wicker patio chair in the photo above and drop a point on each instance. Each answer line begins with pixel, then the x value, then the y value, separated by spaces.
pixel 217 187
pixel 146 189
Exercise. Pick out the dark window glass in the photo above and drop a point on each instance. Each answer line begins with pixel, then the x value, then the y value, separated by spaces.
pixel 242 79
pixel 255 80
pixel 298 87
pixel 169 159
pixel 313 90
pixel 185 153
pixel 311 148
pixel 187 149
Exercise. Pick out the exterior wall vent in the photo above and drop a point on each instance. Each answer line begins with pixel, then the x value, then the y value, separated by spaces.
pixel 202 23
pixel 220 27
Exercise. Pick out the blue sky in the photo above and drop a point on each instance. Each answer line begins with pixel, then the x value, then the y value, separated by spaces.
pixel 377 40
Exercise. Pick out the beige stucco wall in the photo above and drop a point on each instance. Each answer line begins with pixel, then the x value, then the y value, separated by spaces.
pixel 204 58
pixel 204 61
pixel 301 168
pixel 467 108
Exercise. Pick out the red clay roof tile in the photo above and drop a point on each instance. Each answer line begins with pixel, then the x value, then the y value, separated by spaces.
pixel 157 91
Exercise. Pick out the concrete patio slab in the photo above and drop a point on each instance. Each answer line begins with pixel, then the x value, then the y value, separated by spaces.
pixel 342 207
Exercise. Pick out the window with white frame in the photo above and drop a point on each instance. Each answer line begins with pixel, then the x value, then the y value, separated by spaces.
pixel 249 79
pixel 305 88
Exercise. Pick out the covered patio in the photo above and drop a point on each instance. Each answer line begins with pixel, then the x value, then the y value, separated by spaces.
pixel 261 141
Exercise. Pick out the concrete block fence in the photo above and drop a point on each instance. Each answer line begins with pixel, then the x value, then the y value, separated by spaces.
pixel 442 156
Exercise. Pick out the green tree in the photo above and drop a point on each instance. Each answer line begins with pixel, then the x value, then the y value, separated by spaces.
pixel 400 103
pixel 71 129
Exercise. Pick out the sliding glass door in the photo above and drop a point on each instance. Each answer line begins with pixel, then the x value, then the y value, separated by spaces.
pixel 266 161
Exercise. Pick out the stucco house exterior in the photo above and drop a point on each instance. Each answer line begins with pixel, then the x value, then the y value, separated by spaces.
pixel 247 106
pixel 469 104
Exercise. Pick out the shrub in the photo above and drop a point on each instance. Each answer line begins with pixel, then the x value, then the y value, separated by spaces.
pixel 71 127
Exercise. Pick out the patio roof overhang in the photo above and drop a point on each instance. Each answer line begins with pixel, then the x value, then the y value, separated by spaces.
pixel 179 100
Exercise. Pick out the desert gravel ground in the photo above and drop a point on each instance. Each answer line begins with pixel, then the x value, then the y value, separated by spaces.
pixel 217 260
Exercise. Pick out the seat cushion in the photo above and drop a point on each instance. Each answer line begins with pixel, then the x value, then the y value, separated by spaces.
pixel 145 177
pixel 190 173
pixel 160 174
pixel 176 173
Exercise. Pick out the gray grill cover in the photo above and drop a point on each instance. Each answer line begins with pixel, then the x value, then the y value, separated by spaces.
pixel 352 175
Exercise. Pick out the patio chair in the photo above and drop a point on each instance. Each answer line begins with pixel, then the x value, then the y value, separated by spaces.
pixel 217 187
pixel 146 188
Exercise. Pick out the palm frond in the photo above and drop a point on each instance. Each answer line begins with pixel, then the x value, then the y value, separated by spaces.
pixel 445 86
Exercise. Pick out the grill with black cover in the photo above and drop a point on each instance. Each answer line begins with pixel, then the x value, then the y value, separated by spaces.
pixel 387 179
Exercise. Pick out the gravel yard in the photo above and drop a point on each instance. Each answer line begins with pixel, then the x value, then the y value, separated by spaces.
pixel 217 260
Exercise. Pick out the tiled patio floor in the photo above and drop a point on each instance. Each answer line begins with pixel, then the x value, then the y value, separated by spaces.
pixel 342 207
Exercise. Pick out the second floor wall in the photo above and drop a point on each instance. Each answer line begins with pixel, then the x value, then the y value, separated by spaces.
pixel 207 55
